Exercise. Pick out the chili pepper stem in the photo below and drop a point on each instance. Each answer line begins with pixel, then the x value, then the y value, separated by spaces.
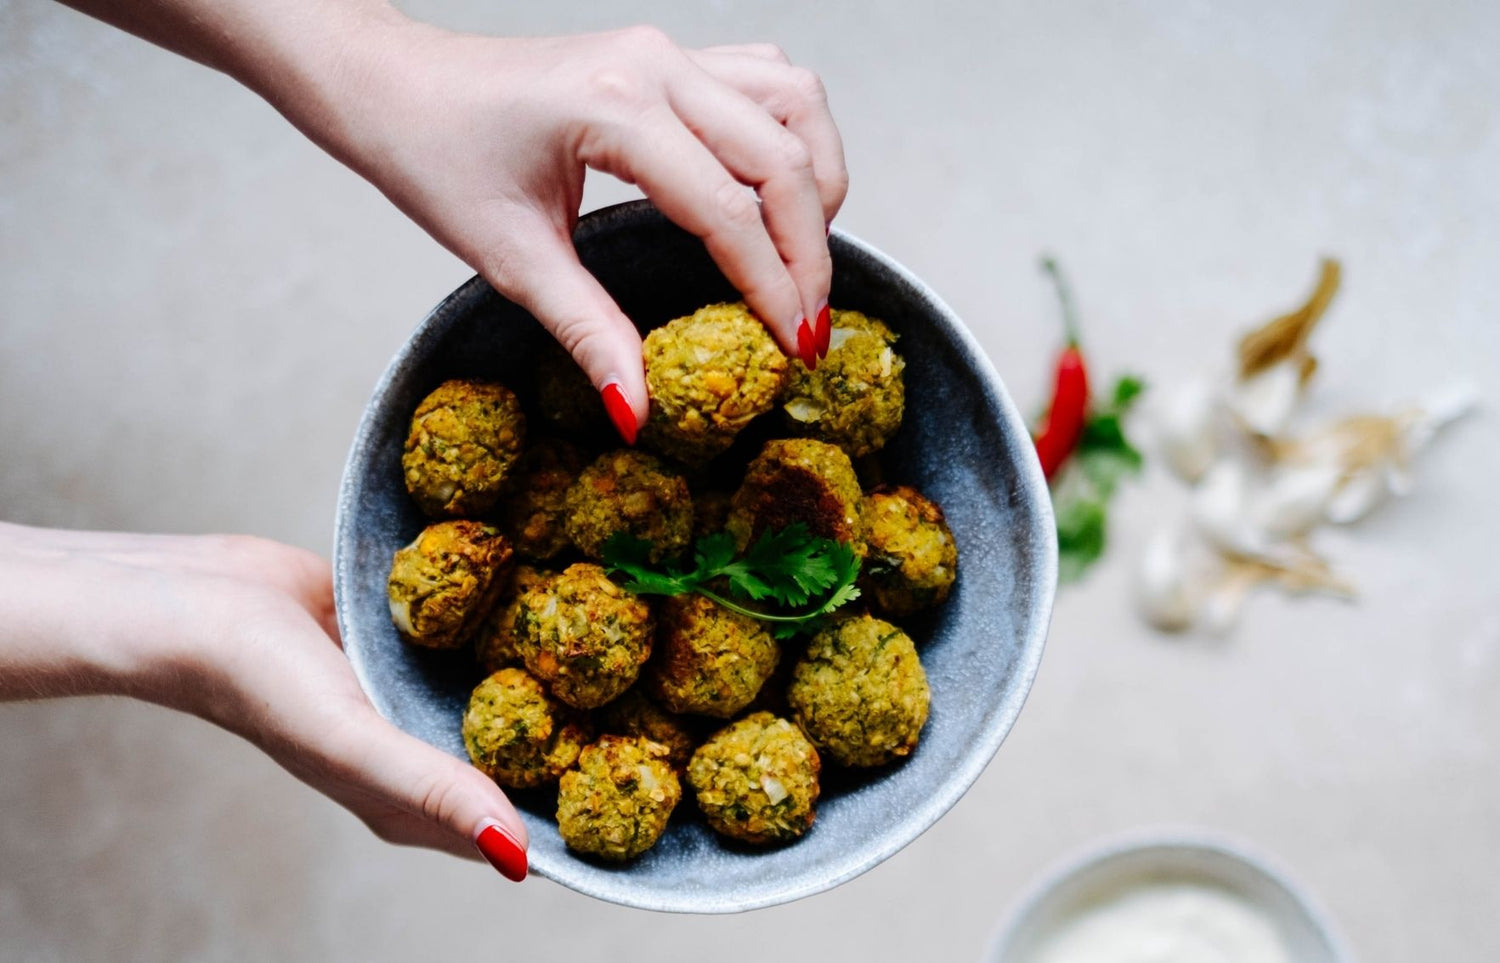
pixel 1064 298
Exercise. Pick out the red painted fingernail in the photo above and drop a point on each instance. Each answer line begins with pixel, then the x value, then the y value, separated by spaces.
pixel 825 330
pixel 807 345
pixel 620 411
pixel 502 851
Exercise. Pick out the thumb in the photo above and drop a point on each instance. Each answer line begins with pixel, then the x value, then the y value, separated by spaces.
pixel 572 305
pixel 443 792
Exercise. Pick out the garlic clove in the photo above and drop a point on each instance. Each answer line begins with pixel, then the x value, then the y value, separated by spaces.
pixel 1265 401
pixel 1185 429
pixel 1166 594
pixel 1294 499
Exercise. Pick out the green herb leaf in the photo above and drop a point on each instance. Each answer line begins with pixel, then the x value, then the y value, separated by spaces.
pixel 1081 493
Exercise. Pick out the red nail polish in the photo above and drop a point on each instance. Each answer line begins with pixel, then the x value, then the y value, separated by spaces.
pixel 825 330
pixel 620 411
pixel 503 852
pixel 807 345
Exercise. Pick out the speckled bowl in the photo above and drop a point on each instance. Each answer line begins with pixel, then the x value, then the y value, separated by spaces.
pixel 962 443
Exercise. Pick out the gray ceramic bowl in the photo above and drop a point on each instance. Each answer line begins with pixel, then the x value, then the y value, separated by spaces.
pixel 962 443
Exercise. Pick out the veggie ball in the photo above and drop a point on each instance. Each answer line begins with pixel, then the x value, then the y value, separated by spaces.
pixel 566 399
pixel 535 513
pixel 583 635
pixel 710 512
pixel 709 374
pixel 633 714
pixel 445 582
pixel 464 438
pixel 859 692
pixel 756 780
pixel 913 558
pixel 857 395
pixel 632 492
pixel 708 659
pixel 518 736
pixel 616 804
pixel 495 644
pixel 798 480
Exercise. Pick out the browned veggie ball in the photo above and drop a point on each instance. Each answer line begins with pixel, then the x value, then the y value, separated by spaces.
pixel 583 635
pixel 616 803
pixel 518 736
pixel 632 492
pixel 798 480
pixel 756 780
pixel 913 558
pixel 495 644
pixel 535 513
pixel 857 395
pixel 633 714
pixel 708 659
pixel 464 438
pixel 859 692
pixel 709 374
pixel 446 581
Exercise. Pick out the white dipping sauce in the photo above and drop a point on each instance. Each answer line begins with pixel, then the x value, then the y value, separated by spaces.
pixel 1165 923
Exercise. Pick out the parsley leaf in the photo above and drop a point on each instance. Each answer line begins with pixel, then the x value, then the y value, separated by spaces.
pixel 1081 492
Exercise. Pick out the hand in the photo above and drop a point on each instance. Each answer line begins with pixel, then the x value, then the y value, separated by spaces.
pixel 484 142
pixel 239 631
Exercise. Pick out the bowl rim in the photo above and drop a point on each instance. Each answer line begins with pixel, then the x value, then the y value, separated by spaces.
pixel 1031 487
pixel 1168 840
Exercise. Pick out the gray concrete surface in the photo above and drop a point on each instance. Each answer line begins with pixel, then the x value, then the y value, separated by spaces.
pixel 194 304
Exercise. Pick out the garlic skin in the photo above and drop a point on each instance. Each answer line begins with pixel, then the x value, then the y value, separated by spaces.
pixel 1185 427
pixel 1264 402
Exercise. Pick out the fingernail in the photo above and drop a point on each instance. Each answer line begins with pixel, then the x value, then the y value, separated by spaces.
pixel 807 345
pixel 620 411
pixel 827 228
pixel 497 846
pixel 825 330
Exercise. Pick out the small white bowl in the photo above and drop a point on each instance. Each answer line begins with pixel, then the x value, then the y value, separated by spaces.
pixel 1173 856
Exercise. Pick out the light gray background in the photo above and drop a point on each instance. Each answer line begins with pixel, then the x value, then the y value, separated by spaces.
pixel 195 303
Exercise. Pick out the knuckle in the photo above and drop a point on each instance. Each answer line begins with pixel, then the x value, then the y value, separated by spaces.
pixel 793 155
pixel 646 39
pixel 438 798
pixel 617 89
pixel 769 51
pixel 808 85
pixel 734 206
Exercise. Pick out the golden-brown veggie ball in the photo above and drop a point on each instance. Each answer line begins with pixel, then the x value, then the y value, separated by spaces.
pixel 859 692
pixel 464 438
pixel 709 374
pixel 798 480
pixel 566 399
pixel 633 714
pixel 857 395
pixel 583 635
pixel 495 645
pixel 616 803
pixel 633 492
pixel 708 659
pixel 756 780
pixel 913 558
pixel 518 736
pixel 446 581
pixel 535 512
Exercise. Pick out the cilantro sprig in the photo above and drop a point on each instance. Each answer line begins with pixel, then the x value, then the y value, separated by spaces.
pixel 1081 493
pixel 805 577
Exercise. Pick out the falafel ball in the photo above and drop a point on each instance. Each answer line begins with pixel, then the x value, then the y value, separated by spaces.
pixel 798 480
pixel 756 780
pixel 517 735
pixel 632 492
pixel 708 659
pixel 565 398
pixel 859 692
pixel 446 581
pixel 583 635
pixel 857 395
pixel 634 714
pixel 535 512
pixel 495 645
pixel 913 558
pixel 710 512
pixel 464 438
pixel 709 374
pixel 616 803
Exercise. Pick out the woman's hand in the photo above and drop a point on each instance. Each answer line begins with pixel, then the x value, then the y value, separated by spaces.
pixel 239 631
pixel 484 142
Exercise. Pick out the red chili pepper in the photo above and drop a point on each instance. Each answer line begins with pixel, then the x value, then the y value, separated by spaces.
pixel 1070 395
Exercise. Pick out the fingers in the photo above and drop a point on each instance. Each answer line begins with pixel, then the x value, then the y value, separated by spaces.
pixel 793 96
pixel 545 277
pixel 693 188
pixel 758 151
